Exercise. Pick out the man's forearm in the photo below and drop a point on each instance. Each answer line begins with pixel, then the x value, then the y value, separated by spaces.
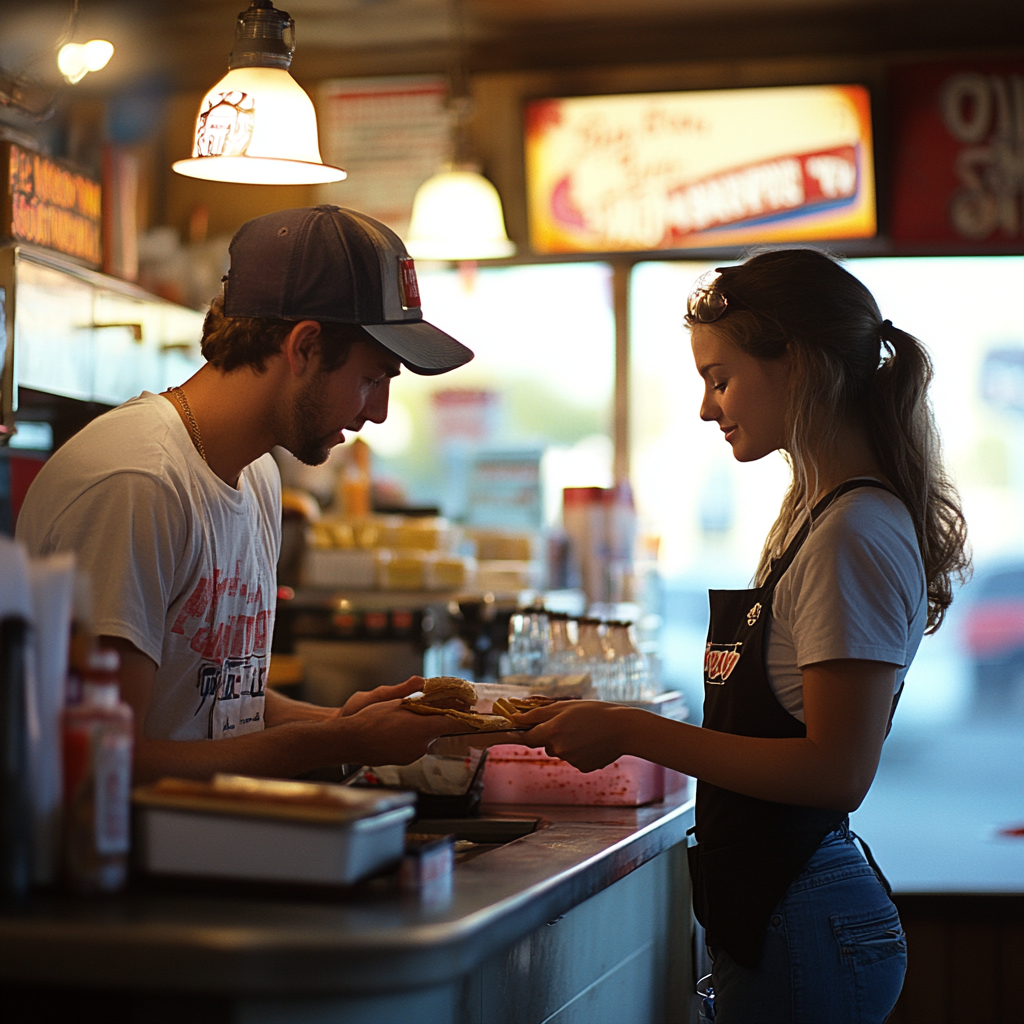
pixel 372 728
pixel 281 710
pixel 285 751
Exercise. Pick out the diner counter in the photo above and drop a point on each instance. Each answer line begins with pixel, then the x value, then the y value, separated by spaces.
pixel 375 945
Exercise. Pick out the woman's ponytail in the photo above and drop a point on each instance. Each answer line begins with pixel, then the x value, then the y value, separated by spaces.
pixel 906 443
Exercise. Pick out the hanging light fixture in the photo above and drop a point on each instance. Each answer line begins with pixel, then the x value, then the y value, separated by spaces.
pixel 257 125
pixel 76 60
pixel 457 214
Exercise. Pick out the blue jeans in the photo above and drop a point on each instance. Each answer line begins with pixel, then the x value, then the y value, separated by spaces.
pixel 834 953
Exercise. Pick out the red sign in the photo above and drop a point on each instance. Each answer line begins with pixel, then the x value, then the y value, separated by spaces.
pixel 959 163
pixel 50 205
pixel 763 189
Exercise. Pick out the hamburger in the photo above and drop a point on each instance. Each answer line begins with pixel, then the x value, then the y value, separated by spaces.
pixel 448 693
pixel 455 698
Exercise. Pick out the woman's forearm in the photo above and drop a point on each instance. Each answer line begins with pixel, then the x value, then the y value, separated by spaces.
pixel 846 708
pixel 793 771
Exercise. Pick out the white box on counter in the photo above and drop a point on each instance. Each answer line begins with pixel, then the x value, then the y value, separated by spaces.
pixel 277 831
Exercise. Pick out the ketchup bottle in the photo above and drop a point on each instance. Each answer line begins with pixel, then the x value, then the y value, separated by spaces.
pixel 97 779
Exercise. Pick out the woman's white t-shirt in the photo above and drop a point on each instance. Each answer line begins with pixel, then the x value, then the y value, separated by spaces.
pixel 856 589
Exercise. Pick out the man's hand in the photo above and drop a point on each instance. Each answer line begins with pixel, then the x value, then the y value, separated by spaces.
pixel 364 698
pixel 384 732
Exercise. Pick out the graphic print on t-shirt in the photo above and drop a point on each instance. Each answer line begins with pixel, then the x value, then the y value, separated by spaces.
pixel 227 622
pixel 719 661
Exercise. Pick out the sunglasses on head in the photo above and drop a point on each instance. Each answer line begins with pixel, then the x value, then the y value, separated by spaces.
pixel 706 302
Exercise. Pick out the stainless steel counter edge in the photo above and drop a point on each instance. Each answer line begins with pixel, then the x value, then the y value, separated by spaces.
pixel 266 944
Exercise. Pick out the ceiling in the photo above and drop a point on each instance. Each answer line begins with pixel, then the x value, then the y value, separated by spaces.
pixel 186 42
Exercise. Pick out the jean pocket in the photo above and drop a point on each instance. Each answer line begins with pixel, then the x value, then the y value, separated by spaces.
pixel 869 936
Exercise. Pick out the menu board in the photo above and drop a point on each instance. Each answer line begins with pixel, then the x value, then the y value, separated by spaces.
pixel 390 134
pixel 50 205
pixel 689 170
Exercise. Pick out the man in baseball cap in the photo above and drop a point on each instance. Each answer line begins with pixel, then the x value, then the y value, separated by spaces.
pixel 336 266
pixel 172 502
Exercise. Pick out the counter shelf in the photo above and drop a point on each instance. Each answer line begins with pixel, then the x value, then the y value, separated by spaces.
pixel 373 944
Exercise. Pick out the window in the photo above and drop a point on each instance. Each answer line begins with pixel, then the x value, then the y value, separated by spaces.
pixel 542 379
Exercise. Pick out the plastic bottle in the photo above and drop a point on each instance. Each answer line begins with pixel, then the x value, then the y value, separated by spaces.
pixel 621 525
pixel 15 793
pixel 97 779
pixel 584 519
pixel 354 490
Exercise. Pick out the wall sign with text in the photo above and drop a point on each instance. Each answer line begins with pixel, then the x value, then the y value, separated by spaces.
pixel 958 175
pixel 390 134
pixel 699 169
pixel 50 205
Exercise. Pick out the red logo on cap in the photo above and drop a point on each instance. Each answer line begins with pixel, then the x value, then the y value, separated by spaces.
pixel 407 286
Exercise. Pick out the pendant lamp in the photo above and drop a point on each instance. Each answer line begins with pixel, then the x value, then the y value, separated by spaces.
pixel 257 125
pixel 457 214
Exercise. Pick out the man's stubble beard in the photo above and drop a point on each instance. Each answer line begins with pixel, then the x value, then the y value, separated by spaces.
pixel 308 442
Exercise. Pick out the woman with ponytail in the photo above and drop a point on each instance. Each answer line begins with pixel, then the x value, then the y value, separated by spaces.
pixel 802 671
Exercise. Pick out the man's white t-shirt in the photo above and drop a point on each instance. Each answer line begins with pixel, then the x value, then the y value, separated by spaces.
pixel 182 565
pixel 856 589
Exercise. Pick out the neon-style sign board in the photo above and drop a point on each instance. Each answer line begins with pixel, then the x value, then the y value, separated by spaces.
pixel 699 169
pixel 50 205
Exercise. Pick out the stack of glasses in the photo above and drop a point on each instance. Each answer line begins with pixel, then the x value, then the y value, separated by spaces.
pixel 552 643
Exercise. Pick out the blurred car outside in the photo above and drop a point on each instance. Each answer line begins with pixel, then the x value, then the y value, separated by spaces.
pixel 993 637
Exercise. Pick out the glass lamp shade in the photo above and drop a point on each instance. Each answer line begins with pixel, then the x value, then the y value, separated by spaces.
pixel 258 126
pixel 457 215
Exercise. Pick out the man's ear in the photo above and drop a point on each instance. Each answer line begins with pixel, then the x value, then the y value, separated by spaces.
pixel 301 347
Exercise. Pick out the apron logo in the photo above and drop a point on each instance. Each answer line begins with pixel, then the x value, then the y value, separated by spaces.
pixel 719 661
pixel 754 614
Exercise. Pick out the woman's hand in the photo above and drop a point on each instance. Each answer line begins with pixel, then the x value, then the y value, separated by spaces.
pixel 589 734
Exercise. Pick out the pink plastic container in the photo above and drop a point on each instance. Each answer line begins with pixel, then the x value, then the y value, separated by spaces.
pixel 515 774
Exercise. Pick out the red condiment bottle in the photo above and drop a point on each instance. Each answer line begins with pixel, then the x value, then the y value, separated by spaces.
pixel 98 740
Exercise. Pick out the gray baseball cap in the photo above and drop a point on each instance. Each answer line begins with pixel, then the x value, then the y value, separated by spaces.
pixel 324 263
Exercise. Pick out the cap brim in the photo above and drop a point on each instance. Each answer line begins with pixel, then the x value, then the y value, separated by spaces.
pixel 421 346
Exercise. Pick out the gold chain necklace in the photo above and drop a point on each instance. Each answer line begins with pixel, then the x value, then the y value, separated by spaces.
pixel 193 427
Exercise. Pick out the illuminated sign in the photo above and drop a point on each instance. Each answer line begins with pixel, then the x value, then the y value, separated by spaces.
pixel 699 169
pixel 958 168
pixel 49 205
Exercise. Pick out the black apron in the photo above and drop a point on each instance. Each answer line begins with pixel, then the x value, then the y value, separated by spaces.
pixel 749 851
